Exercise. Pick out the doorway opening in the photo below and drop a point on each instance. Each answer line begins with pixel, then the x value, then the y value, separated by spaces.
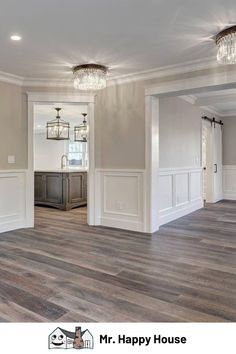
pixel 182 187
pixel 74 158
pixel 60 165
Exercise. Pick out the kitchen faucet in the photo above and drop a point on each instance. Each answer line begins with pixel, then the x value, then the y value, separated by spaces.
pixel 64 165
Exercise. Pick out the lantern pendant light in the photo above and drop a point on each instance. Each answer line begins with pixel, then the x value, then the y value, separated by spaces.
pixel 58 129
pixel 81 131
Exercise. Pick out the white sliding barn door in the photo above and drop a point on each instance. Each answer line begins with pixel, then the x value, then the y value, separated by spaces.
pixel 212 162
pixel 207 161
pixel 217 163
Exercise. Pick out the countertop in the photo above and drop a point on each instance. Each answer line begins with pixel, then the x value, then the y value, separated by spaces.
pixel 64 170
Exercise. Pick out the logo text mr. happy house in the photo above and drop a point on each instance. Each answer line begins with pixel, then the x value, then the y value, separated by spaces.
pixel 62 339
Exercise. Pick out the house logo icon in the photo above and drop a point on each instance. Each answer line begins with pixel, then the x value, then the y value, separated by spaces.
pixel 63 339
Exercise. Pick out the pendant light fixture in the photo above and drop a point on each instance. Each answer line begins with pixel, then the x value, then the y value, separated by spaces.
pixel 90 76
pixel 226 43
pixel 58 129
pixel 81 131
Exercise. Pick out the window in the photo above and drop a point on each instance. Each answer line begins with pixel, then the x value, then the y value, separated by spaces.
pixel 77 154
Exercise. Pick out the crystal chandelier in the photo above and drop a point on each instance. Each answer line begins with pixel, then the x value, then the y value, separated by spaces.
pixel 58 129
pixel 226 43
pixel 81 131
pixel 90 77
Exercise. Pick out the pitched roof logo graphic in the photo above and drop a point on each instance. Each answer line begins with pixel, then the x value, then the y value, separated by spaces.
pixel 63 339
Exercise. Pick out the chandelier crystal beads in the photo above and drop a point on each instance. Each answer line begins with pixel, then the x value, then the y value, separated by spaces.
pixel 90 77
pixel 226 43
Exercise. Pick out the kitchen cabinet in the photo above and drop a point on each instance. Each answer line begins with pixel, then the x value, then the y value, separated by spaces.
pixel 61 189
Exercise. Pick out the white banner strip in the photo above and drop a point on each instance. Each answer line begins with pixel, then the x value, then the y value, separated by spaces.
pixel 40 338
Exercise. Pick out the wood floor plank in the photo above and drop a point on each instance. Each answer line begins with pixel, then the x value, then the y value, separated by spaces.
pixel 63 270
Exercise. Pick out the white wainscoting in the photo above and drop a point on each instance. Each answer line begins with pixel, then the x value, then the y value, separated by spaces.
pixel 229 182
pixel 13 213
pixel 180 191
pixel 120 199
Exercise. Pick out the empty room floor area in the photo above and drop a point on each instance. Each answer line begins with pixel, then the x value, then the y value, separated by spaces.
pixel 64 270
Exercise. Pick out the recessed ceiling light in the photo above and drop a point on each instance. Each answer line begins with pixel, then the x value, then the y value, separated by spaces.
pixel 16 37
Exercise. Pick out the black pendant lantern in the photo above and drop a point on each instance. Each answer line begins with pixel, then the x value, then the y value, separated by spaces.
pixel 58 129
pixel 81 131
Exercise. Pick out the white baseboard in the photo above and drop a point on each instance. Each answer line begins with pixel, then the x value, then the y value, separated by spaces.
pixel 180 192
pixel 121 196
pixel 229 182
pixel 179 212
pixel 122 224
pixel 120 199
pixel 229 196
pixel 13 204
pixel 14 225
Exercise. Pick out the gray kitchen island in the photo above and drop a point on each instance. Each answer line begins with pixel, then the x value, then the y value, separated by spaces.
pixel 63 189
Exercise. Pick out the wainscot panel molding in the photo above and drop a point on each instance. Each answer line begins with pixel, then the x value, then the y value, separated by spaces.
pixel 120 195
pixel 13 200
pixel 229 182
pixel 180 191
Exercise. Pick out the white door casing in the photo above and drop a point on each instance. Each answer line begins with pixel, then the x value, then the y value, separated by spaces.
pixel 188 86
pixel 46 97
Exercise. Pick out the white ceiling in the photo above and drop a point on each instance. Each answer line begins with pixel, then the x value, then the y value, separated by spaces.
pixel 221 103
pixel 127 35
pixel 69 113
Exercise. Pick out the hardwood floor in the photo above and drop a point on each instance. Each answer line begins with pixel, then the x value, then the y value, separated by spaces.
pixel 64 270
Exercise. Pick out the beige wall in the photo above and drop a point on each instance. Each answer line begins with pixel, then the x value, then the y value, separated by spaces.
pixel 229 141
pixel 13 126
pixel 180 133
pixel 119 126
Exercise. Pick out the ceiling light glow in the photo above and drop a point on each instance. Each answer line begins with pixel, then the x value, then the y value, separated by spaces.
pixel 16 37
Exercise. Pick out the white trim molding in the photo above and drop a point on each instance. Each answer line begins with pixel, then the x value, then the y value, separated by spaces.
pixel 151 164
pixel 229 182
pixel 177 87
pixel 41 98
pixel 11 78
pixel 13 203
pixel 73 98
pixel 120 198
pixel 180 192
pixel 191 85
pixel 156 73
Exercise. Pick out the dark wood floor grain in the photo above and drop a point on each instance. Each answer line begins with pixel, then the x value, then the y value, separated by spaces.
pixel 63 270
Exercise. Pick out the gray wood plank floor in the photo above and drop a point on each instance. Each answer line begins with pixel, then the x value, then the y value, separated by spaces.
pixel 63 270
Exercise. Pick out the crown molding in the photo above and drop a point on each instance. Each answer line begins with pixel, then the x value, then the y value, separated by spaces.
pixel 11 78
pixel 212 110
pixel 165 71
pixel 74 97
pixel 194 101
pixel 32 82
pixel 189 98
pixel 169 70
pixel 229 114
